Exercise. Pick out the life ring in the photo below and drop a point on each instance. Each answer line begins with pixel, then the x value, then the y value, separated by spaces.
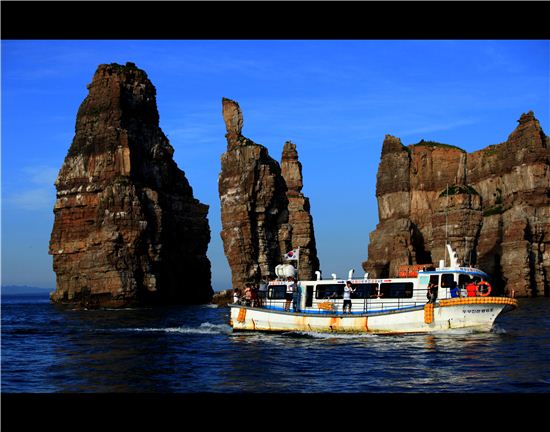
pixel 482 293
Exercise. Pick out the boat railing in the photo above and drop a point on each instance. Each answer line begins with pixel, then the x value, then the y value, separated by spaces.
pixel 375 304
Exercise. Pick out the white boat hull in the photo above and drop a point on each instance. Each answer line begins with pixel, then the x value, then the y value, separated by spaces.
pixel 461 313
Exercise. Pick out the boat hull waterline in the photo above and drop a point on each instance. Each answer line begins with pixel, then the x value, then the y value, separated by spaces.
pixel 477 313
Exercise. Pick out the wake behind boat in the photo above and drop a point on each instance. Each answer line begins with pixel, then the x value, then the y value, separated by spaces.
pixel 458 298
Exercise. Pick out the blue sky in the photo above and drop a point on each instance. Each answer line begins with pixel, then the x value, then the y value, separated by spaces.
pixel 336 99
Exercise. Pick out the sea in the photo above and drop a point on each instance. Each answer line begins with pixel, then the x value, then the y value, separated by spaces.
pixel 193 350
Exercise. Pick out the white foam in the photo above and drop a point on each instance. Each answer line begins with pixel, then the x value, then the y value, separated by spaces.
pixel 326 335
pixel 204 328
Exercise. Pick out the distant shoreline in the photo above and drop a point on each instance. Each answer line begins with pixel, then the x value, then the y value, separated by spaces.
pixel 26 290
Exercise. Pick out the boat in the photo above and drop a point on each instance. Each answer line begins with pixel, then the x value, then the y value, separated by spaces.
pixel 461 298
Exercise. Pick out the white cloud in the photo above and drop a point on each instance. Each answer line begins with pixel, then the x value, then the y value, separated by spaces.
pixel 35 189
pixel 33 199
pixel 41 175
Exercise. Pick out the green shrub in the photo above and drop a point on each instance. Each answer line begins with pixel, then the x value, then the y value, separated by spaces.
pixel 437 144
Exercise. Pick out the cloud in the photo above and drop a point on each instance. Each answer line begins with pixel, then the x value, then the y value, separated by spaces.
pixel 435 127
pixel 41 175
pixel 33 199
pixel 35 190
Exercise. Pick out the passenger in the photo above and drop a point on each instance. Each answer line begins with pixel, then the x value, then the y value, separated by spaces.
pixel 248 295
pixel 455 292
pixel 262 292
pixel 348 289
pixel 236 296
pixel 254 295
pixel 289 294
pixel 296 297
pixel 471 289
pixel 432 293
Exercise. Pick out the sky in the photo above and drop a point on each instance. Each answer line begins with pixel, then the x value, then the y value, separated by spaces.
pixel 336 99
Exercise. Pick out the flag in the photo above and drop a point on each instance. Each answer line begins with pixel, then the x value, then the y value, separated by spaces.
pixel 292 255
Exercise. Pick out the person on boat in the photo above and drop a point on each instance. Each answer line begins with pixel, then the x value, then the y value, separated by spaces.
pixel 236 296
pixel 348 289
pixel 432 293
pixel 377 293
pixel 455 291
pixel 289 294
pixel 262 292
pixel 254 292
pixel 296 297
pixel 471 289
pixel 248 295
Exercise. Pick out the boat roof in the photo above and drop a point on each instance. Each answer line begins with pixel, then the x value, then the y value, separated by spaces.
pixel 463 270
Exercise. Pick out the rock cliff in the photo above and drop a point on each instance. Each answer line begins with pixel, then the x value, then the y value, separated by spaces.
pixel 127 228
pixel 264 214
pixel 492 205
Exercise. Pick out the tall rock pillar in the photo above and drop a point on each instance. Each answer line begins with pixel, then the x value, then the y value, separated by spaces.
pixel 299 217
pixel 127 228
pixel 262 217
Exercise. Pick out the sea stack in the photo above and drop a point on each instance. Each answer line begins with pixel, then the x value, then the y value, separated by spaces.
pixel 492 206
pixel 264 214
pixel 299 216
pixel 127 228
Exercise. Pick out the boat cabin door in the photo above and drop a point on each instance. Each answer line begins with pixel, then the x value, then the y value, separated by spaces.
pixel 309 295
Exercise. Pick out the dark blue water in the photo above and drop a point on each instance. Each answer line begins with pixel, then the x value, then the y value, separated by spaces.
pixel 192 349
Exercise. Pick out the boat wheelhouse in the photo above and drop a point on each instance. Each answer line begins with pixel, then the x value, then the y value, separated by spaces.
pixel 386 305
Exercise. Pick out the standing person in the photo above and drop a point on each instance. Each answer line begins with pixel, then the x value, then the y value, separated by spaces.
pixel 432 293
pixel 348 289
pixel 254 291
pixel 236 296
pixel 262 292
pixel 296 297
pixel 248 295
pixel 289 294
pixel 455 292
pixel 471 289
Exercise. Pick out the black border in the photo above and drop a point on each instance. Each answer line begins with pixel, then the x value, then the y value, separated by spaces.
pixel 269 20
pixel 273 20
pixel 257 411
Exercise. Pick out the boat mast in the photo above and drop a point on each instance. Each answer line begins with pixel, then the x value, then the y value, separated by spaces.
pixel 298 265
pixel 446 223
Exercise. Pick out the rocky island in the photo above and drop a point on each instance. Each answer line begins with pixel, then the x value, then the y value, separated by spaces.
pixel 127 228
pixel 492 205
pixel 264 213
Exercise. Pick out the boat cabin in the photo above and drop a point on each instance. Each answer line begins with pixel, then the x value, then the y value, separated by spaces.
pixel 374 295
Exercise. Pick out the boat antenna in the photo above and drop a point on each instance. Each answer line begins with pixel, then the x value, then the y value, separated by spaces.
pixel 446 222
pixel 298 265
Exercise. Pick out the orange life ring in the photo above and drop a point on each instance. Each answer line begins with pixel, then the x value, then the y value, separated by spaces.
pixel 481 293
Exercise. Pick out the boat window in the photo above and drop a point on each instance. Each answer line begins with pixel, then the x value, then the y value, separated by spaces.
pixel 464 280
pixel 276 292
pixel 309 295
pixel 397 290
pixel 446 280
pixel 364 290
pixel 329 291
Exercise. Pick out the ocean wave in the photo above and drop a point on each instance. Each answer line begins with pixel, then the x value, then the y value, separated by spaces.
pixel 498 330
pixel 204 328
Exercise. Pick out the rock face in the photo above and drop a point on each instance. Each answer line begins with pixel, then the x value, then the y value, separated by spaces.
pixel 493 206
pixel 264 213
pixel 299 217
pixel 127 228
